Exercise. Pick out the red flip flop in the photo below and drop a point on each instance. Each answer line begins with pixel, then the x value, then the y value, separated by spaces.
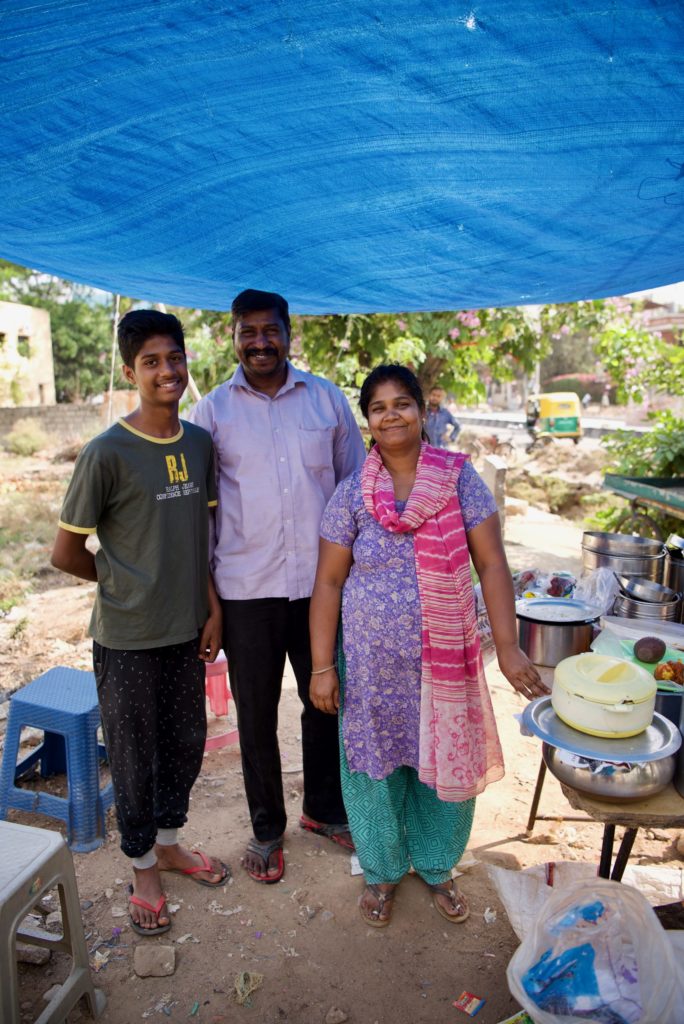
pixel 156 909
pixel 264 851
pixel 339 834
pixel 204 866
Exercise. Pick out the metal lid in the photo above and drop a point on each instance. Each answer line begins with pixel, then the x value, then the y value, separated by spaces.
pixel 621 544
pixel 557 611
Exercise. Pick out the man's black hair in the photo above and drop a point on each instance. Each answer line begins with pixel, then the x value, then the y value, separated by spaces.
pixel 387 372
pixel 251 300
pixel 140 324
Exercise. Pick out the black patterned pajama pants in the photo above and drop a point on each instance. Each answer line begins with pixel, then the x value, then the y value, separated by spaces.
pixel 152 704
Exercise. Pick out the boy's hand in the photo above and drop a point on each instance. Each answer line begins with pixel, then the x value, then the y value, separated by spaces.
pixel 210 637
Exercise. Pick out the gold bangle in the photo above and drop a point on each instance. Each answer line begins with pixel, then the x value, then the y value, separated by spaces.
pixel 320 671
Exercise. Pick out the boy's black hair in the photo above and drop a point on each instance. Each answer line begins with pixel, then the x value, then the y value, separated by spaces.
pixel 390 371
pixel 251 300
pixel 140 324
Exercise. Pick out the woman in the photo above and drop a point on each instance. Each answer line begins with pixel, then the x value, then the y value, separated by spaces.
pixel 419 739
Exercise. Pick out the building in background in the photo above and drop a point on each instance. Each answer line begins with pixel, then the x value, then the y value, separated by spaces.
pixel 27 376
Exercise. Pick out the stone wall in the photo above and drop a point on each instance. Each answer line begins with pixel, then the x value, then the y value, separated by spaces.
pixel 61 422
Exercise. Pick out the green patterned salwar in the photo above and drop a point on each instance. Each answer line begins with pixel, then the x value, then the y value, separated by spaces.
pixel 398 822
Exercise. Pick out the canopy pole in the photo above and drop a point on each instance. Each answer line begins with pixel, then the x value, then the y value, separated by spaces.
pixel 115 324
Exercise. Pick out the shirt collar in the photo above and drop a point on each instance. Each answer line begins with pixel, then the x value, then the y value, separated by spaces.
pixel 294 377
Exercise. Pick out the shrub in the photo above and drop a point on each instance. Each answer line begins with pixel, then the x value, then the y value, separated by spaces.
pixel 26 437
pixel 69 451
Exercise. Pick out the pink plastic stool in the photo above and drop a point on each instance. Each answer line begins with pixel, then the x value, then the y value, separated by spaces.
pixel 218 695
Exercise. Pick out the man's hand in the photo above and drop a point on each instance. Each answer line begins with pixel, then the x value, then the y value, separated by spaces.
pixel 324 692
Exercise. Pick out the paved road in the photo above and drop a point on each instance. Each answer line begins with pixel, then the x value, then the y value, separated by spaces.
pixel 593 426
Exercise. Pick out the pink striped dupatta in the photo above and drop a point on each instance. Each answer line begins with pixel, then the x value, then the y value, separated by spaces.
pixel 459 749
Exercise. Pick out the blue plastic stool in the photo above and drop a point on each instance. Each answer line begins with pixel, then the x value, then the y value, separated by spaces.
pixel 63 703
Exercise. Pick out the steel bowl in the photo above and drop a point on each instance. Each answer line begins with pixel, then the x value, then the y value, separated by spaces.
pixel 646 590
pixel 630 608
pixel 610 780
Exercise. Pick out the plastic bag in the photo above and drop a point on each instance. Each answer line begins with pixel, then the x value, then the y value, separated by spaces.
pixel 484 626
pixel 599 588
pixel 597 953
pixel 535 583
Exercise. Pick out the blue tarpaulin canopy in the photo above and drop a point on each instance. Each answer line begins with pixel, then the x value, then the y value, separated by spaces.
pixel 355 155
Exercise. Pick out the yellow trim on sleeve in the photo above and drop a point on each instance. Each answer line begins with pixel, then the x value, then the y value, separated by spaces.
pixel 77 529
pixel 213 504
pixel 148 437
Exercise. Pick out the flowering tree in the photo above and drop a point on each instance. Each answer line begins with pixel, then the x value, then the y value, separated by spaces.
pixel 457 350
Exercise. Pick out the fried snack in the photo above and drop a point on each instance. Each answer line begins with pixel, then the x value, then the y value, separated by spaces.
pixel 672 671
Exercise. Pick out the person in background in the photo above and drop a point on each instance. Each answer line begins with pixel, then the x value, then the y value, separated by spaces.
pixel 419 740
pixel 145 486
pixel 442 428
pixel 283 439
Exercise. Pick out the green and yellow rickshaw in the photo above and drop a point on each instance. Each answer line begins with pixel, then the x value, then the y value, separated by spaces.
pixel 554 414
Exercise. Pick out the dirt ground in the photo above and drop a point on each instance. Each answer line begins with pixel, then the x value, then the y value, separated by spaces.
pixel 304 935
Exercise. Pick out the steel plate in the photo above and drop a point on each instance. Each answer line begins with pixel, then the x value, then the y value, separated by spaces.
pixel 661 738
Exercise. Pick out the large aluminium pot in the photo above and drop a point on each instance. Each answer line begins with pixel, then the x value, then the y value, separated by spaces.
pixel 603 696
pixel 551 629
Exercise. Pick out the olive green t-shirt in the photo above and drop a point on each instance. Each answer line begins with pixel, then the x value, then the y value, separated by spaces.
pixel 148 500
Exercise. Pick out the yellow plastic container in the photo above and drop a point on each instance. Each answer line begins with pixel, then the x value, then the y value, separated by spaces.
pixel 603 695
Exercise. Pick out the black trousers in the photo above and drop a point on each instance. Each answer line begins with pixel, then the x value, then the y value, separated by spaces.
pixel 257 635
pixel 154 720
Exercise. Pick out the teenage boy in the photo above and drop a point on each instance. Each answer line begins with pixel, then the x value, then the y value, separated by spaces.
pixel 145 487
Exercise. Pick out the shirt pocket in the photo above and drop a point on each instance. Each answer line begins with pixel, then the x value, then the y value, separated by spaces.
pixel 316 446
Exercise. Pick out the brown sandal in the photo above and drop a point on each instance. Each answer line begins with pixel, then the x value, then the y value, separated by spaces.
pixel 373 917
pixel 456 898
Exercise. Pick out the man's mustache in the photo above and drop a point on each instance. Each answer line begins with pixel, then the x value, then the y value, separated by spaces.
pixel 268 350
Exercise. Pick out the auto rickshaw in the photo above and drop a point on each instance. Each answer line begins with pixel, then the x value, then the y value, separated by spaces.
pixel 555 414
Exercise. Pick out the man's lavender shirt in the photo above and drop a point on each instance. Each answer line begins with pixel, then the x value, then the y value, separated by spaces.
pixel 278 461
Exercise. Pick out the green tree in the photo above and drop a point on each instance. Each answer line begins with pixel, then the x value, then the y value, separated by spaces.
pixel 81 345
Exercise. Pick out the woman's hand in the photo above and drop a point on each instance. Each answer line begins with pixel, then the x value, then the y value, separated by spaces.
pixel 324 691
pixel 520 672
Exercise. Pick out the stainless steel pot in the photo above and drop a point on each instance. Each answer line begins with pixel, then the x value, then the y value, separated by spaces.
pixel 627 555
pixel 650 568
pixel 548 642
pixel 674 577
pixel 607 779
pixel 621 544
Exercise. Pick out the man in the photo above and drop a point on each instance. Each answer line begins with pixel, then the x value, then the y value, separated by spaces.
pixel 284 439
pixel 439 420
